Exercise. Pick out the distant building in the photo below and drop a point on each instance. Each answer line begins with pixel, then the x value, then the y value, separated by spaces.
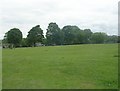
pixel 39 44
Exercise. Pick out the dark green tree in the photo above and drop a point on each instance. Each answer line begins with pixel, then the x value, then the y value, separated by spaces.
pixel 118 39
pixel 14 37
pixel 24 42
pixel 98 37
pixel 54 34
pixel 72 35
pixel 4 41
pixel 35 35
pixel 45 41
pixel 87 36
pixel 112 39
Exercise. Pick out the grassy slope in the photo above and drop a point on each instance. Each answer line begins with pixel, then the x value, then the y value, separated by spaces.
pixel 78 66
pixel 0 67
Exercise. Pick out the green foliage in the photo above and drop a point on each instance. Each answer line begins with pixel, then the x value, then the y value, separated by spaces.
pixel 5 39
pixel 68 35
pixel 98 37
pixel 54 35
pixel 118 39
pixel 87 36
pixel 45 41
pixel 112 39
pixel 24 42
pixel 72 34
pixel 35 35
pixel 14 36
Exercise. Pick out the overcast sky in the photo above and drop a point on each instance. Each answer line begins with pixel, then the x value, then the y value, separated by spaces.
pixel 97 15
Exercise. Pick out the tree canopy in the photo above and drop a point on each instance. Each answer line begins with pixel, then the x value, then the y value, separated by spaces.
pixel 35 35
pixel 68 35
pixel 72 34
pixel 54 34
pixel 98 37
pixel 14 36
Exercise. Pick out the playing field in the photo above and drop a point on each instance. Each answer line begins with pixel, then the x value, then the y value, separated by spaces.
pixel 0 67
pixel 90 66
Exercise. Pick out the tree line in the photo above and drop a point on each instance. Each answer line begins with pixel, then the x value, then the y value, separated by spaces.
pixel 68 35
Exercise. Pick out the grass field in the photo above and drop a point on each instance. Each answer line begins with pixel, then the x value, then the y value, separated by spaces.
pixel 0 67
pixel 92 66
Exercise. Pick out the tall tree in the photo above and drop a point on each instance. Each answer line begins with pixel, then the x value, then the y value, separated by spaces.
pixel 4 41
pixel 24 42
pixel 14 36
pixel 35 35
pixel 118 39
pixel 72 34
pixel 112 39
pixel 87 36
pixel 98 37
pixel 54 35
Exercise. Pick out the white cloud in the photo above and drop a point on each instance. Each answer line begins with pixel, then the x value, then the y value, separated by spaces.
pixel 98 15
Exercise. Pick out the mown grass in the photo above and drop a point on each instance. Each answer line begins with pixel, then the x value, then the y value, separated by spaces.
pixel 0 67
pixel 92 66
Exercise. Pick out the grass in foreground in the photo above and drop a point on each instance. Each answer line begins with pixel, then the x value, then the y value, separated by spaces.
pixel 79 66
pixel 0 67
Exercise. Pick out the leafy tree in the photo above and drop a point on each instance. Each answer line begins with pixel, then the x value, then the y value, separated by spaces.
pixel 118 39
pixel 35 35
pixel 4 41
pixel 87 36
pixel 45 41
pixel 54 35
pixel 98 37
pixel 112 39
pixel 72 35
pixel 14 37
pixel 24 42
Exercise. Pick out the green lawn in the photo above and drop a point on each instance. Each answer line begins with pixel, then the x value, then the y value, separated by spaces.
pixel 92 66
pixel 0 67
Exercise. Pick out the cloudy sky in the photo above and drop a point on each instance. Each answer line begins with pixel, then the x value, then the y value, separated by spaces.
pixel 97 15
